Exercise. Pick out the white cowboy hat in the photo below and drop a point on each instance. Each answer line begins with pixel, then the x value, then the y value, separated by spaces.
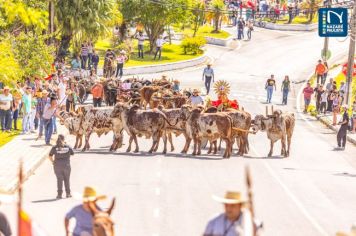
pixel 89 195
pixel 230 198
pixel 122 52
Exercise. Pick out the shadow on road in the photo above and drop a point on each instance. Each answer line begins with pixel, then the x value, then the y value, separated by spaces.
pixel 45 200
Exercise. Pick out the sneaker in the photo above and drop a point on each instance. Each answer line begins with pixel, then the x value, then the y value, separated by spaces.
pixel 59 197
pixel 69 195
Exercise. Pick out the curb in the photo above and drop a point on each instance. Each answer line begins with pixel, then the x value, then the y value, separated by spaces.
pixel 157 68
pixel 289 27
pixel 327 122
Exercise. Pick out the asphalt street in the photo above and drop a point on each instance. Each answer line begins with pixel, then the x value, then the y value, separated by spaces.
pixel 311 193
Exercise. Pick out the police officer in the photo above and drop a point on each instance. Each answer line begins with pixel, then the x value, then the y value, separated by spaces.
pixel 61 164
pixel 341 134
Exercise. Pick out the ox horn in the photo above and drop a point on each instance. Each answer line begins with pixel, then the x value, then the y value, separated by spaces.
pixel 266 110
pixel 272 109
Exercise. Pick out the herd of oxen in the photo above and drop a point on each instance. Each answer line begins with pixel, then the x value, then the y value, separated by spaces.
pixel 170 113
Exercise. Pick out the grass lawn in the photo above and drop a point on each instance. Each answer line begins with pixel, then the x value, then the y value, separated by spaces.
pixel 204 31
pixel 296 20
pixel 7 137
pixel 170 53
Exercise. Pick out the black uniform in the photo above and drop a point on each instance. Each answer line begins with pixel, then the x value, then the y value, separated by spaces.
pixel 341 135
pixel 62 167
pixel 4 225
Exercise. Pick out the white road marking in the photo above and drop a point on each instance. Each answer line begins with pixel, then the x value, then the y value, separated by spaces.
pixel 156 212
pixel 158 191
pixel 297 202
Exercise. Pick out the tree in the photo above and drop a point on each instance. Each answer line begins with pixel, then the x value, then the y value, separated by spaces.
pixel 20 15
pixel 9 67
pixel 82 19
pixel 154 15
pixel 33 55
pixel 217 6
pixel 198 15
pixel 311 6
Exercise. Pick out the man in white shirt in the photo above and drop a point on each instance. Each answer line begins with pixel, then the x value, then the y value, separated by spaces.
pixel 141 40
pixel 235 221
pixel 195 99
pixel 159 44
pixel 5 110
pixel 208 75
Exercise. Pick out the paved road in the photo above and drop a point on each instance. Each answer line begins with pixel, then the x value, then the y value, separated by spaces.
pixel 311 193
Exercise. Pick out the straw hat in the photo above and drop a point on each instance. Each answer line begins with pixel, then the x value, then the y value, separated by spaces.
pixel 6 88
pixel 196 91
pixel 89 195
pixel 44 92
pixel 230 198
pixel 352 233
pixel 122 52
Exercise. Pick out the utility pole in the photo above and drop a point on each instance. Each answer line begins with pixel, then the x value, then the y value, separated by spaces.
pixel 350 62
pixel 51 20
pixel 324 54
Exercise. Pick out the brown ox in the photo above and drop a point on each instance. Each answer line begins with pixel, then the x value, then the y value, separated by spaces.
pixel 137 122
pixel 278 126
pixel 204 125
pixel 146 93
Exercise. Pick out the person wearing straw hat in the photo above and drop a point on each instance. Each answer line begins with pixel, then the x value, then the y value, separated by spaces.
pixel 82 214
pixel 341 134
pixel 196 99
pixel 6 109
pixel 208 76
pixel 234 221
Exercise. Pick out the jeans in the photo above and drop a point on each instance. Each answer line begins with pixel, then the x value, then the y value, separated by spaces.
pixel 249 34
pixel 6 119
pixel 319 77
pixel 62 172
pixel 207 83
pixel 84 61
pixel 48 126
pixel 26 122
pixel 97 102
pixel 140 51
pixel 158 52
pixel 269 93
pixel 341 137
pixel 322 107
pixel 41 126
pixel 285 96
pixel 240 33
pixel 323 79
pixel 54 123
pixel 32 120
pixel 15 116
pixel 119 69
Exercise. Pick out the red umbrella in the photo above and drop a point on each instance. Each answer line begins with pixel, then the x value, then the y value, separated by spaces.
pixel 344 69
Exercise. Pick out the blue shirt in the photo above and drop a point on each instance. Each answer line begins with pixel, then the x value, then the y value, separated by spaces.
pixel 75 64
pixel 26 99
pixel 84 220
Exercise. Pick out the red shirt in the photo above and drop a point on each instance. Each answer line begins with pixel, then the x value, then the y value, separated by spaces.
pixel 308 92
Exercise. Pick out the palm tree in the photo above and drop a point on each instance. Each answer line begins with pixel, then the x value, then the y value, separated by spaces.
pixel 81 18
pixel 217 6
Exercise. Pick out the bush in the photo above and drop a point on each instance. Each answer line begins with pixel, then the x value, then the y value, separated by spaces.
pixel 193 45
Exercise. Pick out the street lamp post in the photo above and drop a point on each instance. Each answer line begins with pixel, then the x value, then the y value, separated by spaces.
pixel 327 3
pixel 350 62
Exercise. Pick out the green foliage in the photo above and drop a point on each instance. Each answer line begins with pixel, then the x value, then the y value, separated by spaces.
pixel 217 7
pixel 193 45
pixel 83 20
pixel 15 15
pixel 33 55
pixel 154 16
pixel 9 68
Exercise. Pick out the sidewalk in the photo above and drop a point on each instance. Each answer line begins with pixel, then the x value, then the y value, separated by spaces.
pixel 27 149
pixel 327 119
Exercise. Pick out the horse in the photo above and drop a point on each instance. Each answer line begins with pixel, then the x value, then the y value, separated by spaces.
pixel 109 69
pixel 102 223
